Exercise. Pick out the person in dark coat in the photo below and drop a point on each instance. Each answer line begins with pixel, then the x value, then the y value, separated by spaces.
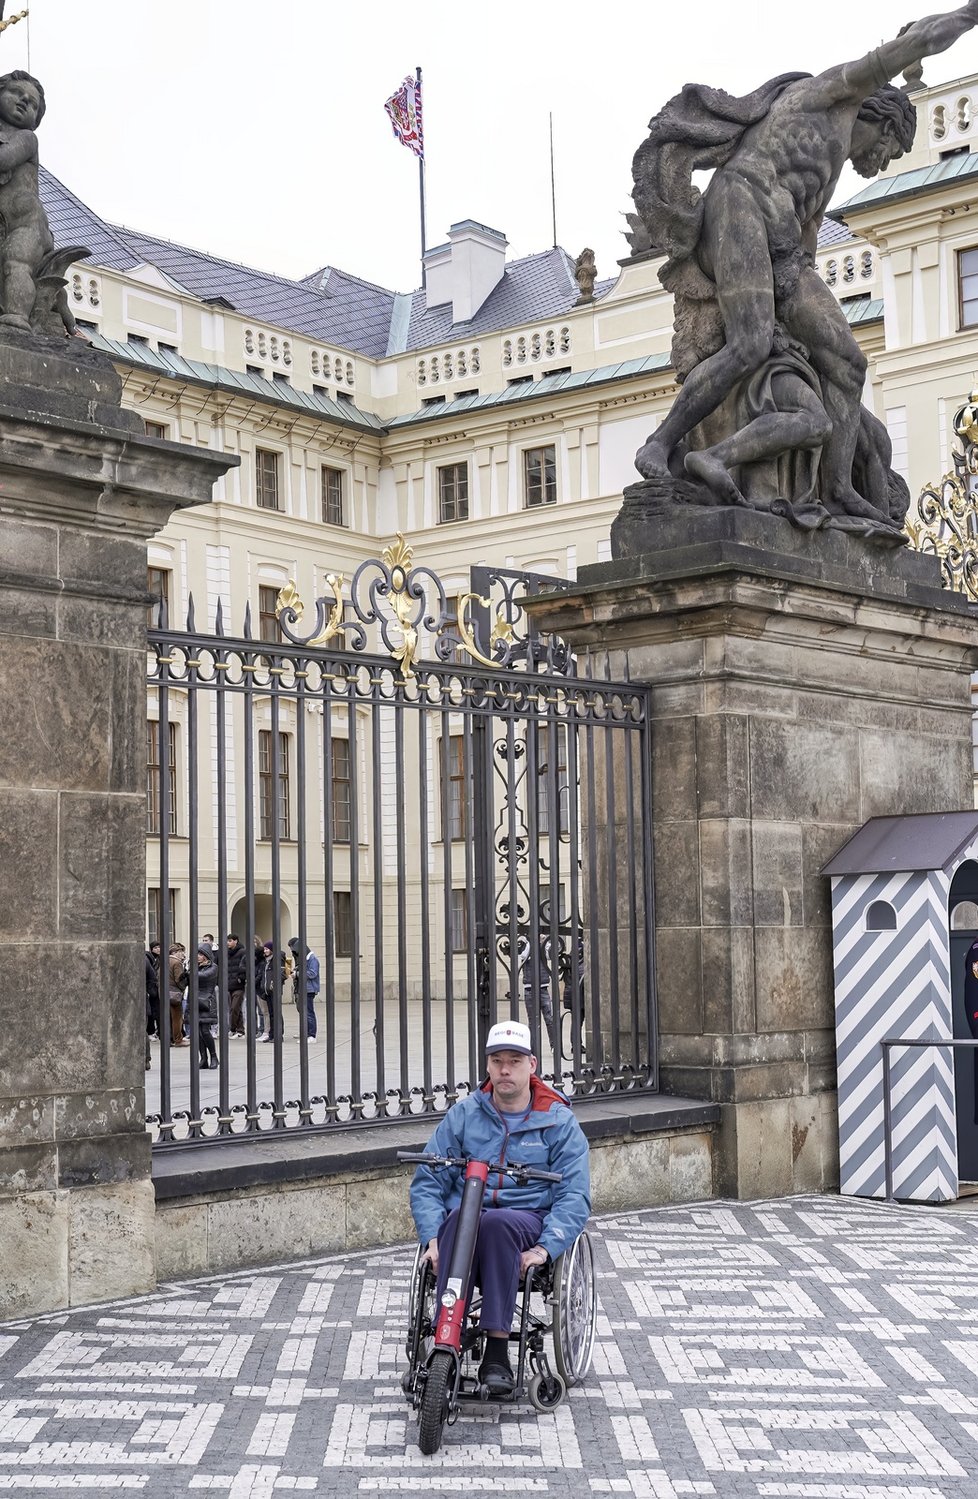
pixel 270 990
pixel 237 984
pixel 206 1006
pixel 971 1005
pixel 153 966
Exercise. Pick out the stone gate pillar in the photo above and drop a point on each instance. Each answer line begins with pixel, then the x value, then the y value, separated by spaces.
pixel 801 683
pixel 81 489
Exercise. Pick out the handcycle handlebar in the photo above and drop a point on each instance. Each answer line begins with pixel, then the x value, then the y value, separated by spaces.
pixel 503 1168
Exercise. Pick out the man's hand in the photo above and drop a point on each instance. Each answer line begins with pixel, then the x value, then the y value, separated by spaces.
pixel 535 1256
pixel 431 1254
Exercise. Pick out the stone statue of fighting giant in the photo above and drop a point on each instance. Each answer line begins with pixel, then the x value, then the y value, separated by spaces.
pixel 769 413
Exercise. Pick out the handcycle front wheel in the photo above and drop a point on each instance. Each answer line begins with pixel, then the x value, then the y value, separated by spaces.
pixel 434 1402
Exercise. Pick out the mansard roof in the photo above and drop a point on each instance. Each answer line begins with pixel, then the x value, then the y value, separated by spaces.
pixel 329 304
pixel 531 290
pixel 910 184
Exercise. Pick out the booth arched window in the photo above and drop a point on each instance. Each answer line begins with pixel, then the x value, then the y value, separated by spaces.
pixel 881 917
pixel 964 916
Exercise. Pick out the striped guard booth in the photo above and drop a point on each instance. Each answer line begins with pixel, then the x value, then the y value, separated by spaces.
pixel 891 884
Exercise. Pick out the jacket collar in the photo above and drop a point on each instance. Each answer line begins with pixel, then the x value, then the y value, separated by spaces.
pixel 542 1096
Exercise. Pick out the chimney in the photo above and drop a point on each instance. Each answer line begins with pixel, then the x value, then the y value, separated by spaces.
pixel 466 270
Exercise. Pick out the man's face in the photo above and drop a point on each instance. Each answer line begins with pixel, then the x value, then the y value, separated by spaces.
pixel 873 148
pixel 510 1073
pixel 20 104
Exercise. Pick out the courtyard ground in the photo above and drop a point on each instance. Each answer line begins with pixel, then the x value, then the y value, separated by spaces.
pixel 809 1348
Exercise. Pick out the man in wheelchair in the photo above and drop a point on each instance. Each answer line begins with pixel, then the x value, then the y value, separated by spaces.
pixel 517 1117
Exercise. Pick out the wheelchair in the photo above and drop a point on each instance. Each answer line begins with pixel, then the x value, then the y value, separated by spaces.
pixel 555 1309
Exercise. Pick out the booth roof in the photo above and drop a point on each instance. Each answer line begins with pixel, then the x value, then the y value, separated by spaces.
pixel 890 845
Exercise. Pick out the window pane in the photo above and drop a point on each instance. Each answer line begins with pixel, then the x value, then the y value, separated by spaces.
pixel 454 769
pixel 459 914
pixel 453 492
pixel 342 924
pixel 268 626
pixel 969 314
pixel 341 790
pixel 333 497
pixel 266 478
pixel 968 261
pixel 158 584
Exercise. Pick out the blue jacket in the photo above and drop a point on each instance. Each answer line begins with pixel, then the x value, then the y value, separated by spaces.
pixel 312 973
pixel 550 1137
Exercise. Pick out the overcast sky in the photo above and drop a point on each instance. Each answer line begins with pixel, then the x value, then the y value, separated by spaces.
pixel 256 129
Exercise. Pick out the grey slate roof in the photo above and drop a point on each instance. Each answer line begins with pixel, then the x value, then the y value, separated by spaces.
pixel 894 845
pixel 72 223
pixel 531 290
pixel 832 233
pixel 350 313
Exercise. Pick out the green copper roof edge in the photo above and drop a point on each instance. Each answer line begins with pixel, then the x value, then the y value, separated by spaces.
pixel 609 374
pixel 866 198
pixel 239 384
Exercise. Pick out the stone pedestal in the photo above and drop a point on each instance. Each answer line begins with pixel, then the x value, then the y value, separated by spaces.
pixel 80 491
pixel 801 684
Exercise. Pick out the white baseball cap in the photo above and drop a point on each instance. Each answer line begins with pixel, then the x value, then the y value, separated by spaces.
pixel 509 1035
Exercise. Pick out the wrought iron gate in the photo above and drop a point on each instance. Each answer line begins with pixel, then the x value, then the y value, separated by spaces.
pixel 422 792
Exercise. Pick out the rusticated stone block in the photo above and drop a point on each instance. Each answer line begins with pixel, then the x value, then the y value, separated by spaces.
pixel 777 873
pixel 377 1210
pixel 256 1228
pixel 111 1241
pixel 674 756
pixel 729 987
pixel 803 773
pixel 727 894
pixel 794 978
pixel 677 858
pixel 28 821
pixel 181 1241
pixel 722 765
pixel 102 860
pixel 34 1274
pixel 690 1168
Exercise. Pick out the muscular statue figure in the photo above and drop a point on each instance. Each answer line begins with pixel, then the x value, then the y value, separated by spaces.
pixel 752 314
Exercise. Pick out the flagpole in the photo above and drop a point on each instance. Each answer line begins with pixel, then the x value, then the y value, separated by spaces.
pixel 553 183
pixel 424 278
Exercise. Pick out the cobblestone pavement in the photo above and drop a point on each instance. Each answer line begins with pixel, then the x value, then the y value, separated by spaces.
pixel 813 1348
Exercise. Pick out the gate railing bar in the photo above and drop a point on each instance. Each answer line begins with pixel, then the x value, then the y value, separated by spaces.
pixel 354 741
pixel 302 930
pixel 916 1043
pixel 329 946
pixel 444 760
pixel 380 1086
pixel 424 728
pixel 404 1081
pixel 471 791
pixel 576 953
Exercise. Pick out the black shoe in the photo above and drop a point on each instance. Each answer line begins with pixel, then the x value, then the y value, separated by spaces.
pixel 497 1378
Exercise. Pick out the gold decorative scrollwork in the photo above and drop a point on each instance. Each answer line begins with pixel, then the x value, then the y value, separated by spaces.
pixel 397 558
pixel 289 598
pixel 946 526
pixel 402 602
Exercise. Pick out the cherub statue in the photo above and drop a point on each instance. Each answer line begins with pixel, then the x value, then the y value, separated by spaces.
pixel 585 274
pixel 32 283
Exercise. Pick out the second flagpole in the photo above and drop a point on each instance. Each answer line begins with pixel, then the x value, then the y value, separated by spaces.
pixel 424 277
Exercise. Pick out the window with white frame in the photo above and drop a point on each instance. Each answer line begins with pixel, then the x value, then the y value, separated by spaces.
pixel 539 476
pixel 453 492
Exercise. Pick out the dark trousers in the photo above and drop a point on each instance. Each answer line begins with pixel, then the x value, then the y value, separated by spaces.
pixel 235 1019
pixel 205 1042
pixel 311 1016
pixel 503 1235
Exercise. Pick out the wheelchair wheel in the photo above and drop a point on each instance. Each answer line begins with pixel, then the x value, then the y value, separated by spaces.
pixel 434 1403
pixel 546 1391
pixel 574 1311
pixel 414 1298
